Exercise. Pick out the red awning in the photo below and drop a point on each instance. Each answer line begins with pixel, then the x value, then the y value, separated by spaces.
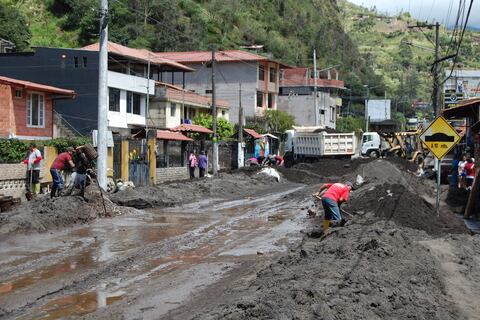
pixel 192 128
pixel 169 135
pixel 253 133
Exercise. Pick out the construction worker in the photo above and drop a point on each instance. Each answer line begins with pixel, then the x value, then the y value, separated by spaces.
pixel 81 165
pixel 333 195
pixel 32 160
pixel 60 162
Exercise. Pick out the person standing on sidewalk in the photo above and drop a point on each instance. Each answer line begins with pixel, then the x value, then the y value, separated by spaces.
pixel 192 163
pixel 469 173
pixel 202 163
pixel 333 195
pixel 32 160
pixel 56 168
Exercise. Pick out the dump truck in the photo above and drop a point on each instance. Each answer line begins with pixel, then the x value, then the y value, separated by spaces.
pixel 306 144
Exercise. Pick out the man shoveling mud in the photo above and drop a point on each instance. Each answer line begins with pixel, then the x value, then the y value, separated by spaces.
pixel 332 196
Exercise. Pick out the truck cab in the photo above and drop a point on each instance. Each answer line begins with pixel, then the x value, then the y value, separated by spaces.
pixel 371 144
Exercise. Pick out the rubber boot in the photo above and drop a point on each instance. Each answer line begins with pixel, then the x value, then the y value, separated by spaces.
pixel 326 225
pixel 52 192
pixel 36 188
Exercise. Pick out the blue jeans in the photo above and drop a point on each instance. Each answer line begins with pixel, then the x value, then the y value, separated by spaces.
pixel 332 211
pixel 57 179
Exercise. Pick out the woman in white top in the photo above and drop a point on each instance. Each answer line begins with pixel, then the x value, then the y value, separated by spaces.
pixel 462 183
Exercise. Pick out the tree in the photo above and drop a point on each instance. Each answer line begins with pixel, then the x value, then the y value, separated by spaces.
pixel 279 121
pixel 224 128
pixel 13 27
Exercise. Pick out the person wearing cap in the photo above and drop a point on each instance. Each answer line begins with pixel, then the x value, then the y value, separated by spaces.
pixel 60 162
pixel 32 160
pixel 333 195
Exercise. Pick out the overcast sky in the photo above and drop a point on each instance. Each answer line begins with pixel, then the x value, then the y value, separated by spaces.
pixel 443 11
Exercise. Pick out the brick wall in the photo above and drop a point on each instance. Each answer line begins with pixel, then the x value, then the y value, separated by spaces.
pixel 6 109
pixel 20 111
pixel 172 174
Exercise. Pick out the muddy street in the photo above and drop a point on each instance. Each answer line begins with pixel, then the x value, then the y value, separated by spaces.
pixel 144 263
pixel 253 251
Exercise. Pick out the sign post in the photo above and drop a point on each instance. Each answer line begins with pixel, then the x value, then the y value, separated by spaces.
pixel 440 137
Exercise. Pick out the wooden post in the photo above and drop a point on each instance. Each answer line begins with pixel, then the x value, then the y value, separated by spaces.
pixel 152 158
pixel 124 160
pixel 472 197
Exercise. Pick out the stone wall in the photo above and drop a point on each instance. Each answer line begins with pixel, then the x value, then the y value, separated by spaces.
pixel 172 174
pixel 12 179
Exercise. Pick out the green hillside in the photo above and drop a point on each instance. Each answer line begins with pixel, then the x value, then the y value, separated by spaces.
pixel 368 47
pixel 289 29
pixel 402 56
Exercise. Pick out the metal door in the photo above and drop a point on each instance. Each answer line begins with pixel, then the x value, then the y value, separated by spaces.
pixel 138 167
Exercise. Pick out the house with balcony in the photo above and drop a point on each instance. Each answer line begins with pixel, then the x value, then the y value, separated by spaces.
pixel 297 91
pixel 27 109
pixel 258 76
pixel 172 106
pixel 128 80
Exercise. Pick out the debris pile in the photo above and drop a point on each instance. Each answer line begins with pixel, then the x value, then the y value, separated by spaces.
pixel 43 213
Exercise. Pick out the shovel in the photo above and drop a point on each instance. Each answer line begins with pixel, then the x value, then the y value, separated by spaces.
pixel 29 194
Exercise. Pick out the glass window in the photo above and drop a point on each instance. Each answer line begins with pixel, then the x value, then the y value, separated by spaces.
pixel 173 110
pixel 270 101
pixel 261 73
pixel 75 62
pixel 114 99
pixel 273 75
pixel 36 110
pixel 18 93
pixel 259 99
pixel 367 138
pixel 137 102
pixel 129 101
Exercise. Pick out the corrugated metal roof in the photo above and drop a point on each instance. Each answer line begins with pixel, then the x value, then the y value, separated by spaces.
pixel 253 133
pixel 220 56
pixel 169 135
pixel 138 54
pixel 192 128
pixel 37 86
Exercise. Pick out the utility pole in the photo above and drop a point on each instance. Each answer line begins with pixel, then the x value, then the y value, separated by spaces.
pixel 102 97
pixel 366 107
pixel 241 155
pixel 147 103
pixel 214 118
pixel 436 72
pixel 315 106
pixel 436 66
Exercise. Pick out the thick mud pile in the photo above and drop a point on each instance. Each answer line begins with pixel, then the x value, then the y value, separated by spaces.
pixel 44 213
pixel 373 271
pixel 239 183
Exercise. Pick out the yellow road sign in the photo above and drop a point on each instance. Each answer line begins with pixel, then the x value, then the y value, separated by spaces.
pixel 440 137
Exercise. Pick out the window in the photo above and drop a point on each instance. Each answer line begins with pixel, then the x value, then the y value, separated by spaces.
pixel 114 99
pixel 223 113
pixel 84 62
pixel 367 138
pixel 133 102
pixel 173 110
pixel 270 101
pixel 208 91
pixel 36 110
pixel 332 114
pixel 273 75
pixel 261 73
pixel 18 93
pixel 259 99
pixel 75 62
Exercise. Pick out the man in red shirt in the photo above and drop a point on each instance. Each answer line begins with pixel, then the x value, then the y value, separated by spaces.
pixel 334 194
pixel 56 168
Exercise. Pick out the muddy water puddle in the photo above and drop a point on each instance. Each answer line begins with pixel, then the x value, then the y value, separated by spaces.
pixel 226 233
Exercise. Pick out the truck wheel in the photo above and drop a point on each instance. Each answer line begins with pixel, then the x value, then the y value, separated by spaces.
pixel 374 154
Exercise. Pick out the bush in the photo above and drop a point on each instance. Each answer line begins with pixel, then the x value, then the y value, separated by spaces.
pixel 14 150
pixel 224 128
